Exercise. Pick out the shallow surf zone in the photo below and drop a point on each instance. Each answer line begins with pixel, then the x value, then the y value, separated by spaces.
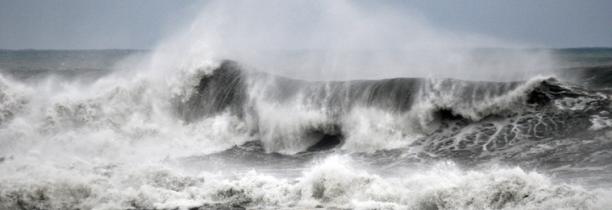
pixel 333 182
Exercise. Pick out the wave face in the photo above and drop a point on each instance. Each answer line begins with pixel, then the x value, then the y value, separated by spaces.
pixel 223 136
pixel 446 116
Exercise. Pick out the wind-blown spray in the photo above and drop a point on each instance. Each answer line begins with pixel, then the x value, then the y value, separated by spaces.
pixel 306 104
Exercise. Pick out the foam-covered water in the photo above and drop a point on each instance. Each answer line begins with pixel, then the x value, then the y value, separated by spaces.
pixel 226 136
pixel 334 182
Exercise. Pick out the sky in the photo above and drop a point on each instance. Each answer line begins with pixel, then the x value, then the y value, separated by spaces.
pixel 142 24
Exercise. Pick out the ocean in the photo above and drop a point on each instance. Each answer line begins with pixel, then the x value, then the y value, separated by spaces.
pixel 121 129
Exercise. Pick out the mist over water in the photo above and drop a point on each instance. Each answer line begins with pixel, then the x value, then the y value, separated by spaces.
pixel 346 40
pixel 302 105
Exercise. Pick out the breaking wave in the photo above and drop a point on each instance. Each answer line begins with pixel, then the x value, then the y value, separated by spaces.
pixel 159 142
pixel 401 110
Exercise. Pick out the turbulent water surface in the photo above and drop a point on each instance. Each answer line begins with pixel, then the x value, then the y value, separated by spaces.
pixel 84 130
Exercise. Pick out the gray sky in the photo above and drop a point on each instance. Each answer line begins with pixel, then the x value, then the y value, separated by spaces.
pixel 140 24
